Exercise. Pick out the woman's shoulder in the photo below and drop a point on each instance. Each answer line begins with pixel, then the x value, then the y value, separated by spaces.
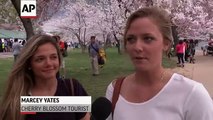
pixel 78 87
pixel 111 86
pixel 183 81
pixel 69 81
pixel 195 94
pixel 118 80
pixel 121 78
pixel 73 84
pixel 181 78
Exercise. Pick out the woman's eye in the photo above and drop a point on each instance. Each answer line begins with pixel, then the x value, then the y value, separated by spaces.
pixel 38 59
pixel 54 57
pixel 148 39
pixel 130 39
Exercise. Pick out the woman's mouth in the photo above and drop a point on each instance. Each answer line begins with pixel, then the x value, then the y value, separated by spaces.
pixel 140 59
pixel 48 70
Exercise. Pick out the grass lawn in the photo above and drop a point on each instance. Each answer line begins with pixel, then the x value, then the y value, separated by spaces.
pixel 78 66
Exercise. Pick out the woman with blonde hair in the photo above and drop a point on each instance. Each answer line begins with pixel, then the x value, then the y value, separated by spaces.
pixel 152 92
pixel 34 74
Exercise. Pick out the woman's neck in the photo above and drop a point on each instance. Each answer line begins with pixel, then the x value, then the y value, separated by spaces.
pixel 150 77
pixel 44 87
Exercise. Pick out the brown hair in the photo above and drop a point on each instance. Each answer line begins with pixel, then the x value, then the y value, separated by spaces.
pixel 92 37
pixel 160 17
pixel 20 79
pixel 57 38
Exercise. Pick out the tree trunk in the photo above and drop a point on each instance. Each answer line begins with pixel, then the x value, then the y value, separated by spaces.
pixel 175 35
pixel 83 47
pixel 105 41
pixel 26 22
pixel 118 43
pixel 210 36
pixel 28 27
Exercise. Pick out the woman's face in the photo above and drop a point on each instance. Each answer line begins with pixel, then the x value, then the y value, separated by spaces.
pixel 144 44
pixel 45 62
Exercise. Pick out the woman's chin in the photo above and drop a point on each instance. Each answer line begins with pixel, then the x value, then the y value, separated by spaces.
pixel 141 68
pixel 50 76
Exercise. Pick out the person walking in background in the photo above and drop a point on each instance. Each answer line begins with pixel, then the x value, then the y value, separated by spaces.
pixel 180 53
pixel 65 52
pixel 1 50
pixel 153 92
pixel 93 50
pixel 3 47
pixel 191 51
pixel 34 74
pixel 62 49
pixel 10 44
pixel 204 49
pixel 186 50
pixel 16 47
pixel 6 45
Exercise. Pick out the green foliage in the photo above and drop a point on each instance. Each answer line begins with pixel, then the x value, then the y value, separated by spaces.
pixel 78 66
pixel 5 67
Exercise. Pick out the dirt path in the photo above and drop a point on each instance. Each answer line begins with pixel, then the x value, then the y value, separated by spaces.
pixel 6 54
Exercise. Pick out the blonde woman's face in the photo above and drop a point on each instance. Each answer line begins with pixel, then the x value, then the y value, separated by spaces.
pixel 45 62
pixel 144 44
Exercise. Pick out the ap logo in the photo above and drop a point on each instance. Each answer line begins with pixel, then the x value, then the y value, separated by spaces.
pixel 28 9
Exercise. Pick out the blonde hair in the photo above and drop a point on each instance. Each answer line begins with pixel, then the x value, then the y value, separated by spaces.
pixel 160 17
pixel 20 79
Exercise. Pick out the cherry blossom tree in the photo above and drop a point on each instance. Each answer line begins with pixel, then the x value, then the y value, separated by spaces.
pixel 46 8
pixel 192 18
pixel 117 12
pixel 5 15
pixel 26 22
pixel 79 19
pixel 115 15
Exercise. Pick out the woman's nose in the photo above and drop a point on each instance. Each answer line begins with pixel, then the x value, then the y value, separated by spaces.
pixel 48 61
pixel 138 45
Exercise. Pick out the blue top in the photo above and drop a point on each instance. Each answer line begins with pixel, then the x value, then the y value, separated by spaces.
pixel 93 49
pixel 16 48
